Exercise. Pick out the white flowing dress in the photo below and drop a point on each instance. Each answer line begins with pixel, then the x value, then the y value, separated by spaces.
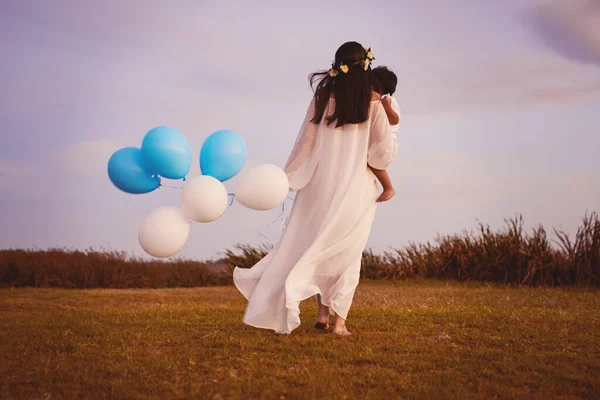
pixel 321 248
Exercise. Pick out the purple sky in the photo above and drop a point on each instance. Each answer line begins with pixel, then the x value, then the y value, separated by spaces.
pixel 500 107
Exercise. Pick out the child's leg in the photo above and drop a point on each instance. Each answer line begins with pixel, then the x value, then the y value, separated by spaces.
pixel 384 179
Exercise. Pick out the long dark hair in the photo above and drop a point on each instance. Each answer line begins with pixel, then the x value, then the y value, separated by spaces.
pixel 352 90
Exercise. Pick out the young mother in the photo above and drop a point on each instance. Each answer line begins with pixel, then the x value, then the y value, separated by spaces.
pixel 344 136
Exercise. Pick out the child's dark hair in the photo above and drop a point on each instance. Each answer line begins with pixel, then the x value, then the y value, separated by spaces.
pixel 387 80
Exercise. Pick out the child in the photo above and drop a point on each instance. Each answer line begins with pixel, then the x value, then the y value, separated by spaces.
pixel 387 86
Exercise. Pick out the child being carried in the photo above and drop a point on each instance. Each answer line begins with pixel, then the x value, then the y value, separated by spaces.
pixel 387 87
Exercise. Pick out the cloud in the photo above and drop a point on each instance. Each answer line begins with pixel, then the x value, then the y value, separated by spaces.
pixel 495 87
pixel 561 94
pixel 199 57
pixel 571 28
pixel 461 182
pixel 87 158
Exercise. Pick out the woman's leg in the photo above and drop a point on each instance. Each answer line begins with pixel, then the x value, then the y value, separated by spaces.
pixel 339 326
pixel 323 316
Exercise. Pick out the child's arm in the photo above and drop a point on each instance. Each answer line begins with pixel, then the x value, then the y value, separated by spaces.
pixel 392 115
pixel 383 178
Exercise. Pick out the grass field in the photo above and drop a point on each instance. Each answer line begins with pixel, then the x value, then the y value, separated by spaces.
pixel 413 339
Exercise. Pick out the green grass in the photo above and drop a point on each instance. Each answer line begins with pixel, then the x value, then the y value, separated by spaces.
pixel 413 339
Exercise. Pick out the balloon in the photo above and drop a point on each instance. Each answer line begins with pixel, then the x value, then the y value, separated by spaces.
pixel 167 152
pixel 127 172
pixel 223 155
pixel 204 199
pixel 164 231
pixel 262 187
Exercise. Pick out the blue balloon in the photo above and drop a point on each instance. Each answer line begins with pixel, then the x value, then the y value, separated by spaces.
pixel 127 171
pixel 167 152
pixel 223 155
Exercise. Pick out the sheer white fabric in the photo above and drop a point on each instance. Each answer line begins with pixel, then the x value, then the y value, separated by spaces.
pixel 321 247
pixel 396 107
pixel 383 146
pixel 302 161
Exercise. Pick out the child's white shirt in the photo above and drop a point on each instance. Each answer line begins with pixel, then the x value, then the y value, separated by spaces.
pixel 395 107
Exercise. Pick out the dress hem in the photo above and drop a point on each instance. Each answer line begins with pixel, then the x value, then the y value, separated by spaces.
pixel 295 310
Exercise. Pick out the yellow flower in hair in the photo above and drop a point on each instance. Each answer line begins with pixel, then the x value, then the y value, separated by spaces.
pixel 366 63
pixel 344 68
pixel 333 73
pixel 370 54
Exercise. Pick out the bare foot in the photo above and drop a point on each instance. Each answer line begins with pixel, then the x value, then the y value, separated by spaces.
pixel 341 331
pixel 339 327
pixel 319 325
pixel 322 322
pixel 386 195
pixel 323 317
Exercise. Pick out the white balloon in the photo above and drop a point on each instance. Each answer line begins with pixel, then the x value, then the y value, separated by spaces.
pixel 204 199
pixel 262 187
pixel 164 231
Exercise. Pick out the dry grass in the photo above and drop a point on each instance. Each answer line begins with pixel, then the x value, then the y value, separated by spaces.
pixel 97 269
pixel 511 256
pixel 413 339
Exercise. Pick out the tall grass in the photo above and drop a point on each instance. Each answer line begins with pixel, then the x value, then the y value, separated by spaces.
pixel 510 256
pixel 97 269
pixel 246 256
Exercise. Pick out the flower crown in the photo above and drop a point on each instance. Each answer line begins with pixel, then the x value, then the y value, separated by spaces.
pixel 365 62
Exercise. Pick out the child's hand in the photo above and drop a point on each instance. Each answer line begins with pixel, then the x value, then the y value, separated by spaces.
pixel 386 195
pixel 387 101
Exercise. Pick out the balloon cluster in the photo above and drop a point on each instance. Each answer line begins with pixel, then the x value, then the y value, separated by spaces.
pixel 166 153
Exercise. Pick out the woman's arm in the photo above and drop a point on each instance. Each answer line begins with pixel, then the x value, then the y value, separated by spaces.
pixel 305 141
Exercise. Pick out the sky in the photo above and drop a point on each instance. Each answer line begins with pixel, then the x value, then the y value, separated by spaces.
pixel 500 109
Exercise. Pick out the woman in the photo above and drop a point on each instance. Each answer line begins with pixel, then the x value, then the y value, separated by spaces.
pixel 344 136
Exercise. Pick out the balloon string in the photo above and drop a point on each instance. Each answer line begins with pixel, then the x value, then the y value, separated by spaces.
pixel 284 222
pixel 284 219
pixel 280 214
pixel 261 234
pixel 171 187
pixel 231 200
